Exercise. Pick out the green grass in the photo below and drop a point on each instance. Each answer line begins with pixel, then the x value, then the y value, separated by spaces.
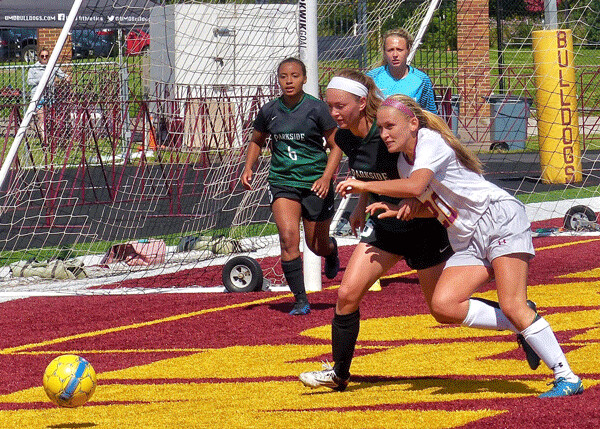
pixel 518 70
pixel 592 142
pixel 101 247
pixel 561 194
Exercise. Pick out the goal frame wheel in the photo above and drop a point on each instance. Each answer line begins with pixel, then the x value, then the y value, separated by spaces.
pixel 242 274
pixel 576 214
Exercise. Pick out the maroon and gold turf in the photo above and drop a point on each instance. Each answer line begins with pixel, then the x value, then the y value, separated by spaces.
pixel 232 360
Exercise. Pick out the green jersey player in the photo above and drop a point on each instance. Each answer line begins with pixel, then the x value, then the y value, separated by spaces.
pixel 300 175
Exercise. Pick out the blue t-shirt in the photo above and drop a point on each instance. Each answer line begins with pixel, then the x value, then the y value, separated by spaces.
pixel 415 84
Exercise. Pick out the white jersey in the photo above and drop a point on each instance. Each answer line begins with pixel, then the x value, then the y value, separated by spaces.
pixel 457 195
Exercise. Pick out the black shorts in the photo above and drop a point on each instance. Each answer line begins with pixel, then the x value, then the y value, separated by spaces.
pixel 422 247
pixel 314 209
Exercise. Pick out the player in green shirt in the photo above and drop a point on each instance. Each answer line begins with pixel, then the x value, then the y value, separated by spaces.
pixel 300 176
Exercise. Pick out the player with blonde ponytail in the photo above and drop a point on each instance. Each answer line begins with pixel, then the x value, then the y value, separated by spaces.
pixel 487 228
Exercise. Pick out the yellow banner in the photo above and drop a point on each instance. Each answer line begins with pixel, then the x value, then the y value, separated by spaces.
pixel 556 100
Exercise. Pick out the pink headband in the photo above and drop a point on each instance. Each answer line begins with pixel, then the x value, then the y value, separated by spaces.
pixel 398 105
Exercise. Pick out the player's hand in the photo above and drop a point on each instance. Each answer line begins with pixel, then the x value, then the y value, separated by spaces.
pixel 321 187
pixel 357 221
pixel 246 179
pixel 382 210
pixel 409 209
pixel 350 186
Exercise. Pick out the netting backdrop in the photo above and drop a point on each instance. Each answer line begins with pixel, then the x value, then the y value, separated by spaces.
pixel 146 139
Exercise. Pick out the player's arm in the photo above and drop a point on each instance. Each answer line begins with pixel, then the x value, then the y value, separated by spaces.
pixel 358 216
pixel 412 187
pixel 412 208
pixel 409 208
pixel 255 145
pixel 428 96
pixel 321 186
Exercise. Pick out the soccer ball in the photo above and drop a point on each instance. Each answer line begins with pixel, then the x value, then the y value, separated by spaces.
pixel 69 381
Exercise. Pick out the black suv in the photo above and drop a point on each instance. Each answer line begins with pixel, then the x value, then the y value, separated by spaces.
pixel 18 43
pixel 21 44
pixel 93 44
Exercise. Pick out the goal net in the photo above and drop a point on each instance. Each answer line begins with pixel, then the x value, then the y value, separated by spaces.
pixel 129 170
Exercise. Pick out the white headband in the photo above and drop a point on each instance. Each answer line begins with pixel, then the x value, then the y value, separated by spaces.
pixel 348 85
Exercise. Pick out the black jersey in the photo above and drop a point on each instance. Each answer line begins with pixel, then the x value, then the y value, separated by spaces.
pixel 298 156
pixel 369 160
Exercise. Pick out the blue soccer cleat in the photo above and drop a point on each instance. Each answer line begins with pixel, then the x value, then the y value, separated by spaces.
pixel 300 309
pixel 562 387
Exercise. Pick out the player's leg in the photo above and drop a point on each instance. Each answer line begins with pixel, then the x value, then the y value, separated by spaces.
pixel 511 281
pixel 451 297
pixel 319 241
pixel 428 279
pixel 317 214
pixel 469 268
pixel 41 121
pixel 452 300
pixel 428 253
pixel 286 214
pixel 366 264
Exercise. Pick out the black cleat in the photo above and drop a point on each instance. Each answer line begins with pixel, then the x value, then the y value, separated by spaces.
pixel 532 358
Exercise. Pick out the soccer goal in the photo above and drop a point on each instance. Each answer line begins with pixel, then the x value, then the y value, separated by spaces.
pixel 129 169
pixel 127 173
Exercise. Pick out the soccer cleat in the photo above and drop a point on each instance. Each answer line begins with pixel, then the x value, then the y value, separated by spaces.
pixel 562 387
pixel 324 378
pixel 332 262
pixel 532 358
pixel 300 309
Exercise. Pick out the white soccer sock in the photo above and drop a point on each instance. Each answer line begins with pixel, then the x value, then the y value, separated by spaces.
pixel 542 340
pixel 486 316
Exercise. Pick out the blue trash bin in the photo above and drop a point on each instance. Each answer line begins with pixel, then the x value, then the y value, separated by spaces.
pixel 509 115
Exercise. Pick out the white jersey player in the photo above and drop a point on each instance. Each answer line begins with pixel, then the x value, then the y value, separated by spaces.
pixel 488 230
pixel 456 195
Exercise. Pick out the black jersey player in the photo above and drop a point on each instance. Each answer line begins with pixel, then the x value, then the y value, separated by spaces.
pixel 423 244
pixel 300 175
pixel 353 100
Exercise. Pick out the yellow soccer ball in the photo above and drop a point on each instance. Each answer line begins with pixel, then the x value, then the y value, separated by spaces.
pixel 69 381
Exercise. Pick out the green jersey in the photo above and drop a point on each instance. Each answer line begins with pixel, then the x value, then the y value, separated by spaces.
pixel 298 156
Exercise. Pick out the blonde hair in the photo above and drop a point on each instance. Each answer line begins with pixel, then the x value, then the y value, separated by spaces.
pixel 396 32
pixel 434 122
pixel 374 96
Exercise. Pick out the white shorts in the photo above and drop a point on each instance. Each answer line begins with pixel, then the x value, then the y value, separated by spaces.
pixel 502 230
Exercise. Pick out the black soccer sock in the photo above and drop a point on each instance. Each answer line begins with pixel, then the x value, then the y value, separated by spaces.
pixel 344 332
pixel 292 270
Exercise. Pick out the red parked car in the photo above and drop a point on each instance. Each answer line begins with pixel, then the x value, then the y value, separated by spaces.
pixel 137 42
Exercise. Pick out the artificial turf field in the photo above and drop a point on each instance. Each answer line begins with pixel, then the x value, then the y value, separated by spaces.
pixel 222 360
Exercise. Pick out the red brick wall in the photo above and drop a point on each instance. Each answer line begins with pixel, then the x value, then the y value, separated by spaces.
pixel 47 38
pixel 474 69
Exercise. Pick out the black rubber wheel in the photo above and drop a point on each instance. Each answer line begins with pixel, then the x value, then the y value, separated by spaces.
pixel 29 54
pixel 499 147
pixel 242 274
pixel 575 215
